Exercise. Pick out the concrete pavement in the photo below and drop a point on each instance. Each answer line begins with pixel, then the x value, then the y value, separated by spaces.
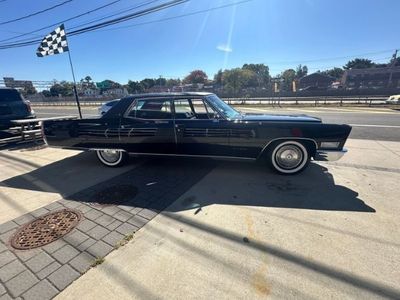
pixel 44 176
pixel 242 232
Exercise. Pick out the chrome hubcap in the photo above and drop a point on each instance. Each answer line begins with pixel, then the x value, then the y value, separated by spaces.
pixel 289 157
pixel 110 156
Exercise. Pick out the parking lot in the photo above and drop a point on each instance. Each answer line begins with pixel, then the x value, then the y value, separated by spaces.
pixel 211 229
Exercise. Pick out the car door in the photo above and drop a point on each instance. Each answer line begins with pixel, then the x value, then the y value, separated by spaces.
pixel 148 127
pixel 199 130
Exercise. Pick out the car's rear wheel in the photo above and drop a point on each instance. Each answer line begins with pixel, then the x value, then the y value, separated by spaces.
pixel 289 157
pixel 111 157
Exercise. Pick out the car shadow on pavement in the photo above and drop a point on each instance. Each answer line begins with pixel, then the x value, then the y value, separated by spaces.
pixel 251 185
pixel 65 176
pixel 163 180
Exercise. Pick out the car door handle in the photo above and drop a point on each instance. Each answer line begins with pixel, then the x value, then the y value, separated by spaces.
pixel 179 127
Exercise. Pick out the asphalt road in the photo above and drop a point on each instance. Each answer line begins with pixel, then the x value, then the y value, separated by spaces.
pixel 368 123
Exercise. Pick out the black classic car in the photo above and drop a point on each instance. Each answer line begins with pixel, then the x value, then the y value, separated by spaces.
pixel 199 125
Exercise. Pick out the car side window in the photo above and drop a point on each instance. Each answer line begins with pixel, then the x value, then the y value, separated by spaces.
pixel 151 109
pixel 201 110
pixel 183 110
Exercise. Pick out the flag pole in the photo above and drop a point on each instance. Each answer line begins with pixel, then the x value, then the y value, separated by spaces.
pixel 75 91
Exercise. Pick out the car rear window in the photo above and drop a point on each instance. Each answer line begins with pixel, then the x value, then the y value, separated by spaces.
pixel 7 95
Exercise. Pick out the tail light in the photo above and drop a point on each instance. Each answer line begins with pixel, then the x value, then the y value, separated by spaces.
pixel 28 106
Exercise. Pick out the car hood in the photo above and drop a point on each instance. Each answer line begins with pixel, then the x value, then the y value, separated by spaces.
pixel 279 118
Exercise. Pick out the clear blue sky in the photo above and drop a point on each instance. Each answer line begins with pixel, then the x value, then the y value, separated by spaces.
pixel 279 33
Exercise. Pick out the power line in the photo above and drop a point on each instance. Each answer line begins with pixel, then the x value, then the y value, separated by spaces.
pixel 119 12
pixel 181 16
pixel 36 13
pixel 82 24
pixel 104 24
pixel 27 42
pixel 59 22
pixel 129 17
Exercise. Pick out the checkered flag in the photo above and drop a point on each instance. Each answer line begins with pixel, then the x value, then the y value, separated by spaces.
pixel 54 43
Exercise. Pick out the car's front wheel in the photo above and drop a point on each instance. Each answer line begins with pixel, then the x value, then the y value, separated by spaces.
pixel 289 157
pixel 111 157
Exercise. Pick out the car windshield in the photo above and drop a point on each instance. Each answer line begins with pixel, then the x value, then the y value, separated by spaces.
pixel 222 107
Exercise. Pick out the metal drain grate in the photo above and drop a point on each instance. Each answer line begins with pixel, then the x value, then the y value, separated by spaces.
pixel 45 229
pixel 114 195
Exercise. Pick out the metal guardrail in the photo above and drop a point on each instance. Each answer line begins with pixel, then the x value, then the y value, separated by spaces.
pixel 366 100
pixel 29 130
pixel 278 101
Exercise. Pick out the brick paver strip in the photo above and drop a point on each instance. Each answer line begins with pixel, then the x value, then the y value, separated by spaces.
pixel 48 270
pixel 6 257
pixel 10 270
pixel 39 262
pixel 43 272
pixel 65 254
pixel 113 238
pixel 7 226
pixel 63 277
pixel 21 283
pixel 41 291
pixel 98 232
pixel 76 238
pixel 82 262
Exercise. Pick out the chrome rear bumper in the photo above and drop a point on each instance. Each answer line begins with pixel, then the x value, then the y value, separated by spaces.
pixel 329 155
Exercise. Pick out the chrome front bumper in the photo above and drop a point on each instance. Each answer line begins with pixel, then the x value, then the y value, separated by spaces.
pixel 329 155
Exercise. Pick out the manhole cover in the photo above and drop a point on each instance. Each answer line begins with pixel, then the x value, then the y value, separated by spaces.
pixel 45 229
pixel 114 195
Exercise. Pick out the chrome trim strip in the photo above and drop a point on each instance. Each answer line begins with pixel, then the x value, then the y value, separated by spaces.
pixel 329 155
pixel 102 149
pixel 191 155
pixel 291 138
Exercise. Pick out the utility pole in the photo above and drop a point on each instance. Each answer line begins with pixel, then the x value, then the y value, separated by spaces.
pixel 391 66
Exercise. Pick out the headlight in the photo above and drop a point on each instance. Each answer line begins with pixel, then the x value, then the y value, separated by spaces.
pixel 330 145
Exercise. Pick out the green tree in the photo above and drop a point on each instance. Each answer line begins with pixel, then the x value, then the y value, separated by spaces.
pixel 148 83
pixel 29 90
pixel 235 80
pixel 336 73
pixel 46 93
pixel 301 71
pixel 262 73
pixel 63 88
pixel 218 78
pixel 88 79
pixel 196 76
pixel 87 83
pixel 160 81
pixel 134 87
pixel 173 82
pixel 359 63
pixel 288 76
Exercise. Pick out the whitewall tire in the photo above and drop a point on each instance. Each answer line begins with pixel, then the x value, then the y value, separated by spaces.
pixel 111 157
pixel 289 157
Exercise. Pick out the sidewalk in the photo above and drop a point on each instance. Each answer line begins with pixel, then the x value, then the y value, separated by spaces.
pixel 32 179
pixel 242 232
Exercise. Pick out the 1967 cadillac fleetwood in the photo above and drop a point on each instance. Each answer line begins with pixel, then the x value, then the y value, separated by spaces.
pixel 199 125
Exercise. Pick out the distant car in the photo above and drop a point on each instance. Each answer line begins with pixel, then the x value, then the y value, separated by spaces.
pixel 395 99
pixel 13 106
pixel 107 106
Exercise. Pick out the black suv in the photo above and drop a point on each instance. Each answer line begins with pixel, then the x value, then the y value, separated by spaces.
pixel 13 107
